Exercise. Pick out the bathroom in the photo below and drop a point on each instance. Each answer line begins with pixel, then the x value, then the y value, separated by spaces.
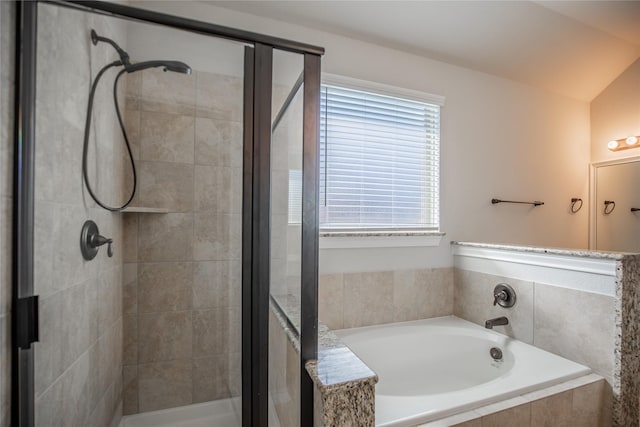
pixel 157 332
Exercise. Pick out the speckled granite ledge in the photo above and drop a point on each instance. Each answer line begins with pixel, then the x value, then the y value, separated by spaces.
pixel 344 385
pixel 553 251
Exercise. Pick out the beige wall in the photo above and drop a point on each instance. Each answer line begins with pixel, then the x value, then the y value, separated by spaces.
pixel 78 360
pixel 182 268
pixel 7 11
pixel 499 139
pixel 615 114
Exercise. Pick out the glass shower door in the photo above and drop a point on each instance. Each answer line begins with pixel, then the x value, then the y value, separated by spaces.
pixel 156 325
pixel 294 237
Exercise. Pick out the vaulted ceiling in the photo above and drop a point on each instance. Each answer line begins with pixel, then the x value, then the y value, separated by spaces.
pixel 574 48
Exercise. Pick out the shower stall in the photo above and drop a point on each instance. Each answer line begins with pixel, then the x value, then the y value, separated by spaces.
pixel 189 152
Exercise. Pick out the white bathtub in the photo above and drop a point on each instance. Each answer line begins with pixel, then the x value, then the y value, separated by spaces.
pixel 434 368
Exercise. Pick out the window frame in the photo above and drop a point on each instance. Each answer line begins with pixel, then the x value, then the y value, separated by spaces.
pixel 367 238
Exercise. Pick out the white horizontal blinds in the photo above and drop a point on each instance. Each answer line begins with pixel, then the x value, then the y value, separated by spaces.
pixel 295 196
pixel 379 161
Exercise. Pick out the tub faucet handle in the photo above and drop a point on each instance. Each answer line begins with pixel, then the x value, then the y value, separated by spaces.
pixel 504 295
pixel 500 296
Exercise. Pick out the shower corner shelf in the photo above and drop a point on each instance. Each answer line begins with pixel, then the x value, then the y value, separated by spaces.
pixel 142 209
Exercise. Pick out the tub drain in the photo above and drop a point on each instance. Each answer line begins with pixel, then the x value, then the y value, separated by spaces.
pixel 495 353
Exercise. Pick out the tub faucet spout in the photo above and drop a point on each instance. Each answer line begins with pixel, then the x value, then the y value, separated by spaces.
pixel 498 321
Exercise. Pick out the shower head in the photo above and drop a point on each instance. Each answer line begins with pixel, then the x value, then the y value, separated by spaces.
pixel 175 66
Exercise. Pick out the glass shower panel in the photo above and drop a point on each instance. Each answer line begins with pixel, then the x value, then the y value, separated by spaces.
pixel 286 232
pixel 157 325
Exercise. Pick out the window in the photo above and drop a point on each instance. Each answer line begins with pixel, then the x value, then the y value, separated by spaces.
pixel 379 161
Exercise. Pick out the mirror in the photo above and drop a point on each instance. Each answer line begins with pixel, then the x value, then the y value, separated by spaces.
pixel 615 220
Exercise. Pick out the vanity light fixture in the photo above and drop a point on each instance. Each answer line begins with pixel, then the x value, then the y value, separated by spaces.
pixel 624 143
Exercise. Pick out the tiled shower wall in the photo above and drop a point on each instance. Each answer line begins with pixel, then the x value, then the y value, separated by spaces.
pixel 182 272
pixel 78 360
pixel 7 11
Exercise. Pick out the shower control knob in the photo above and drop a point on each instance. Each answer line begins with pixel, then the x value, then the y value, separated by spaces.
pixel 91 240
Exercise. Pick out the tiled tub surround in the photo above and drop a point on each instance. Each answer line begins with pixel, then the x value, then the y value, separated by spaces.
pixel 351 300
pixel 182 271
pixel 578 304
pixel 574 403
pixel 78 360
pixel 7 17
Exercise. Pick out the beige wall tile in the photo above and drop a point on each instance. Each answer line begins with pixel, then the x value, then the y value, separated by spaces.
pixel 132 126
pixel 130 392
pixel 553 411
pixel 65 402
pixel 218 142
pixel 130 339
pixel 130 288
pixel 218 189
pixel 133 84
pixel 330 300
pixel 235 374
pixel 217 284
pixel 166 108
pixel 166 137
pixel 368 298
pixel 165 384
pixel 587 404
pixel 47 351
pixel 211 332
pixel 170 88
pixel 165 185
pixel 130 238
pixel 518 416
pixel 421 294
pixel 584 332
pixel 166 237
pixel 74 339
pixel 210 378
pixel 217 236
pixel 164 286
pixel 164 336
pixel 219 96
pixel 473 301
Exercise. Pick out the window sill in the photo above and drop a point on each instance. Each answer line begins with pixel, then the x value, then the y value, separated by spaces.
pixel 379 239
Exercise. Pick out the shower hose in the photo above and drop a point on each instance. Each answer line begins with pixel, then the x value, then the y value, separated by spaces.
pixel 87 131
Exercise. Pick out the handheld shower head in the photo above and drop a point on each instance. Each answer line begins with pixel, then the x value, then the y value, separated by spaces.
pixel 128 67
pixel 175 66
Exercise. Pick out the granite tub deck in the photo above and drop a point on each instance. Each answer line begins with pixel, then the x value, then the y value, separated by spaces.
pixel 344 387
pixel 626 352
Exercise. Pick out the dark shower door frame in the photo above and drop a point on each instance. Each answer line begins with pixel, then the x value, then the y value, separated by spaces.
pixel 255 212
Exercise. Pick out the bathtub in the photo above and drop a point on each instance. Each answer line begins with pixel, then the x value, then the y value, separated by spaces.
pixel 430 369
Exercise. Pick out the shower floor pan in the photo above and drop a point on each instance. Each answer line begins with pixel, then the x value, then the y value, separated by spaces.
pixel 217 413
